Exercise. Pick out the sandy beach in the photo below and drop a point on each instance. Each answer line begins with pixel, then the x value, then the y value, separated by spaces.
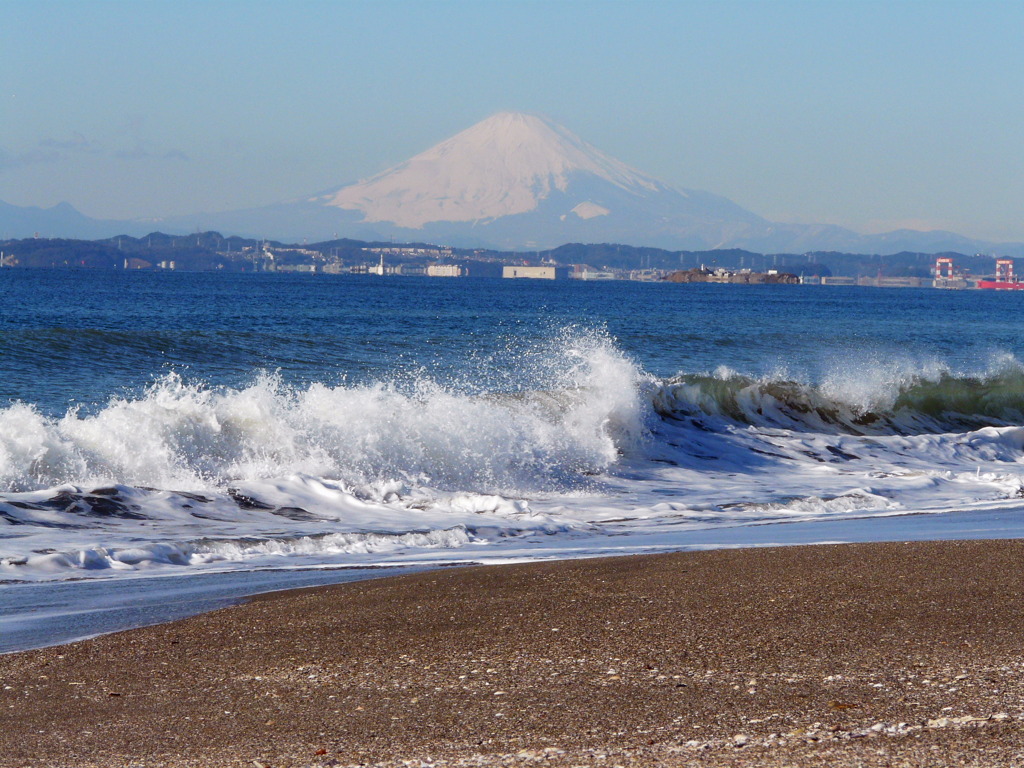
pixel 902 654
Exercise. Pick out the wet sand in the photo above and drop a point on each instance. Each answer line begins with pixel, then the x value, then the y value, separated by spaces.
pixel 865 654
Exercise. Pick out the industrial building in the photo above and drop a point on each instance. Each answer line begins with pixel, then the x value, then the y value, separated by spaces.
pixel 536 273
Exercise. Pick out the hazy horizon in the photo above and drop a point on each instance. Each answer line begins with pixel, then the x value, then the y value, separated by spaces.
pixel 870 115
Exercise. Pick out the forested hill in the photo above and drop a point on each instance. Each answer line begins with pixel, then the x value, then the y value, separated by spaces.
pixel 210 251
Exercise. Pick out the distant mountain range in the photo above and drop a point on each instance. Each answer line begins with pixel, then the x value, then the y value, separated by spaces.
pixel 61 220
pixel 512 181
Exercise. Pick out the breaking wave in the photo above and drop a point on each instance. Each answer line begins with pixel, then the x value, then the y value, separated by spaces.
pixel 566 438
pixel 857 402
pixel 582 410
pixel 569 412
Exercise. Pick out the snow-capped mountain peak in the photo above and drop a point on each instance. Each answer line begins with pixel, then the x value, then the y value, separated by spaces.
pixel 504 165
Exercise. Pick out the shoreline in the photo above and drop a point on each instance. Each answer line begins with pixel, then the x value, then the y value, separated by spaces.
pixel 123 595
pixel 877 654
pixel 46 614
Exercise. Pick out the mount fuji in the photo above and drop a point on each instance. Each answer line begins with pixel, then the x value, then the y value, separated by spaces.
pixel 517 181
pixel 512 181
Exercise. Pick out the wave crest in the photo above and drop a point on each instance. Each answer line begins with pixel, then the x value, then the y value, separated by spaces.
pixel 920 402
pixel 578 409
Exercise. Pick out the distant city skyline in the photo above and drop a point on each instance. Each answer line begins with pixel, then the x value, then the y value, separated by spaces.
pixel 870 115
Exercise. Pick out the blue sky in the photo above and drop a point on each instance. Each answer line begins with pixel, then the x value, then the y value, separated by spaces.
pixel 872 115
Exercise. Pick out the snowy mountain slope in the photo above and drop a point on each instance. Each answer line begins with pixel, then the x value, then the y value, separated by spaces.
pixel 502 166
pixel 516 181
pixel 513 181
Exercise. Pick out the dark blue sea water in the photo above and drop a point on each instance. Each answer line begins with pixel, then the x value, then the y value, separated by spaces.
pixel 235 433
pixel 79 337
pixel 162 423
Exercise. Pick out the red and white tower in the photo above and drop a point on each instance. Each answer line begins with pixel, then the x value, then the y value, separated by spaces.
pixel 944 267
pixel 1004 271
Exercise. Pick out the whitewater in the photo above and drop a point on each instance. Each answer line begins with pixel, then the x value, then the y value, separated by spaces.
pixel 482 422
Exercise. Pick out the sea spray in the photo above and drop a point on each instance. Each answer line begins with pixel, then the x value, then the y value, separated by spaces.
pixel 560 445
pixel 890 398
pixel 584 410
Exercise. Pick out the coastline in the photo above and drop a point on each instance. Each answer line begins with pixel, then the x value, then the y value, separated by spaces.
pixel 37 615
pixel 46 613
pixel 874 654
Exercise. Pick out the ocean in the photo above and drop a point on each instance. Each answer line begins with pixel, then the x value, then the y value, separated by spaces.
pixel 180 425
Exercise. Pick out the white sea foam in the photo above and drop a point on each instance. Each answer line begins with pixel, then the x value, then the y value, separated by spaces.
pixel 575 445
pixel 182 435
